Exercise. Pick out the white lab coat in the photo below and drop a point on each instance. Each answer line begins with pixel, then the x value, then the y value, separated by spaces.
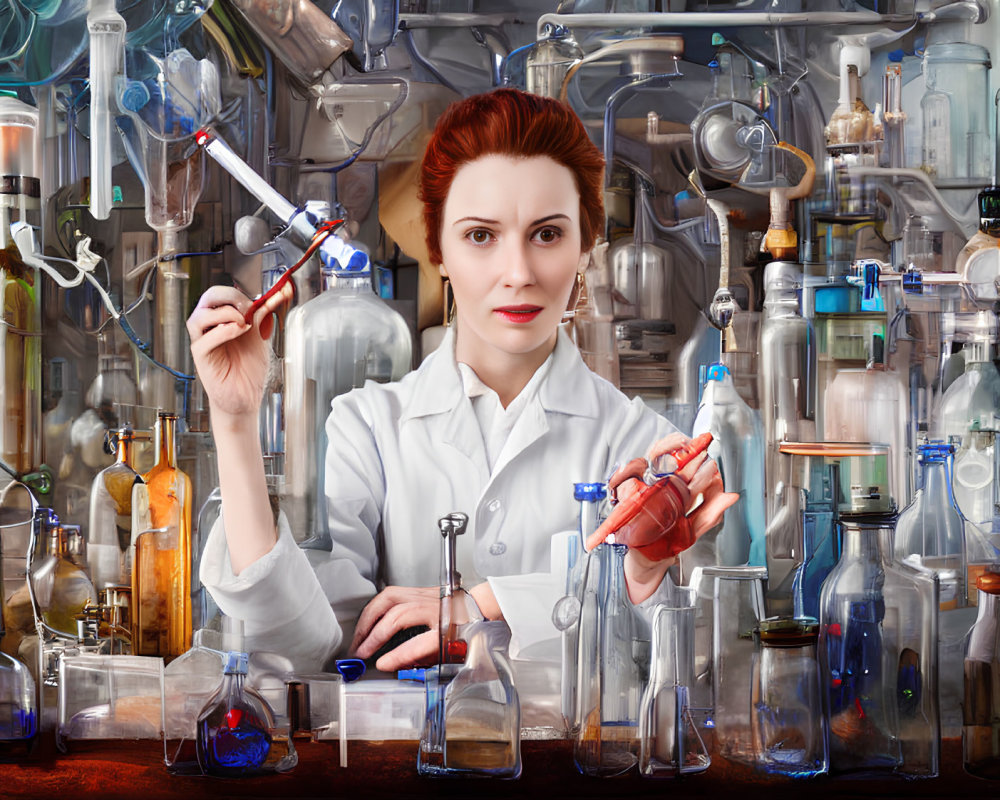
pixel 404 454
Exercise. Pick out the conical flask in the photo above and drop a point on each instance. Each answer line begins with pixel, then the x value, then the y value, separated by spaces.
pixel 670 744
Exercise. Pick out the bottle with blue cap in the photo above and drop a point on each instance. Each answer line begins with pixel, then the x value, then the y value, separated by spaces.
pixel 738 448
pixel 335 342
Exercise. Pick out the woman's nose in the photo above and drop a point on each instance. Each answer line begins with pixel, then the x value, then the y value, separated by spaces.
pixel 518 269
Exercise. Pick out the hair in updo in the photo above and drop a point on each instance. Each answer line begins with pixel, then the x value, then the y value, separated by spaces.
pixel 510 122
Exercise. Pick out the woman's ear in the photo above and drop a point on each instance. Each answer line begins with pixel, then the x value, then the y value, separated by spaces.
pixel 442 270
pixel 584 261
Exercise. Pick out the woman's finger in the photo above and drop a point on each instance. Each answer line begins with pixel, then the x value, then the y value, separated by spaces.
pixel 633 469
pixel 397 618
pixel 689 470
pixel 669 443
pixel 421 650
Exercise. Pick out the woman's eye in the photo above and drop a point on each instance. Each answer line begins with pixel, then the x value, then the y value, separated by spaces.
pixel 548 235
pixel 479 236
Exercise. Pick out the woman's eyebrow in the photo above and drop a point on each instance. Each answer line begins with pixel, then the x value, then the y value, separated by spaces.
pixel 476 219
pixel 549 218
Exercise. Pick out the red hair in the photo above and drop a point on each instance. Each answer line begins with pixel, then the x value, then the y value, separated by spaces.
pixel 510 122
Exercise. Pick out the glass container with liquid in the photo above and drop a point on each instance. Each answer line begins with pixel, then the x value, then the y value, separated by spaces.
pixel 61 585
pixel 981 729
pixel 161 573
pixel 110 530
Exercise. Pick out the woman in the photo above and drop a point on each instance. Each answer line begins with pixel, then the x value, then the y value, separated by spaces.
pixel 499 422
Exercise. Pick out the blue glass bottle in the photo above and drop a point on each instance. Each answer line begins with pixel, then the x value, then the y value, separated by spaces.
pixel 235 729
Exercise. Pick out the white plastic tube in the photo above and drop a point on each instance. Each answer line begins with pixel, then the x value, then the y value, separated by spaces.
pixel 107 47
pixel 255 184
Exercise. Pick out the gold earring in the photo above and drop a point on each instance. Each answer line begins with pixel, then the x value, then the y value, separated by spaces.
pixel 577 297
pixel 448 304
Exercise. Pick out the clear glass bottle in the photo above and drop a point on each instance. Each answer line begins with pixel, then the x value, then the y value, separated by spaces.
pixel 335 342
pixel 204 608
pixel 235 736
pixel 981 729
pixel 670 744
pixel 786 372
pixel 931 526
pixel 789 728
pixel 18 710
pixel 161 573
pixel 549 61
pixel 110 529
pixel 567 614
pixel 878 656
pixel 61 586
pixel 738 448
pixel 609 677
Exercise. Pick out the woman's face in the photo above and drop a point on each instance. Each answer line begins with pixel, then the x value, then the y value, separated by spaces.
pixel 510 243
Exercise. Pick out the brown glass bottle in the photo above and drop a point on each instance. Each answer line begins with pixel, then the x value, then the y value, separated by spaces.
pixel 981 710
pixel 161 571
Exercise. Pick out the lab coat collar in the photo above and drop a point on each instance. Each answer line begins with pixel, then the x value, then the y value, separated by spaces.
pixel 438 385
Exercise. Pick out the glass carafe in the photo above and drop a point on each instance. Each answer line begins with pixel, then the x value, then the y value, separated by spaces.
pixel 981 729
pixel 786 372
pixel 738 447
pixel 609 678
pixel 333 343
pixel 161 572
pixel 789 728
pixel 110 530
pixel 670 744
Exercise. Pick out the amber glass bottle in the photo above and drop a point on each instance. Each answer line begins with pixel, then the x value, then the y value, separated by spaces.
pixel 161 572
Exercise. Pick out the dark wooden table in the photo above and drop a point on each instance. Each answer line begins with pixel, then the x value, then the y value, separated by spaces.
pixel 131 769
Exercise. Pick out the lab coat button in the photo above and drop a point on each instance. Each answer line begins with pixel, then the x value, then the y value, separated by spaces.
pixel 494 505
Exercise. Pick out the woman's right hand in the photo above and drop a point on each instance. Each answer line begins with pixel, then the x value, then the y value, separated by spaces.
pixel 232 358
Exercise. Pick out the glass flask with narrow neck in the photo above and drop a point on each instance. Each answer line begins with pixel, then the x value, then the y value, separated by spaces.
pixel 981 709
pixel 931 526
pixel 738 448
pixel 161 572
pixel 110 529
pixel 235 730
pixel 789 729
pixel 335 342
pixel 609 676
pixel 62 587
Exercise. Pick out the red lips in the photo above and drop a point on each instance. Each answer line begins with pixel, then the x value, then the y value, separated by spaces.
pixel 518 313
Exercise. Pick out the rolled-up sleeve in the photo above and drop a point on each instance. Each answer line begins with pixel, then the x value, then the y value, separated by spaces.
pixel 279 598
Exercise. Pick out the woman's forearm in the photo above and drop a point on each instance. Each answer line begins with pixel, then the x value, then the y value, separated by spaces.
pixel 246 509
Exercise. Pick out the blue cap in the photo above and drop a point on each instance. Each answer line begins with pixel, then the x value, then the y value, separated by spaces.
pixel 935 450
pixel 350 669
pixel 415 674
pixel 592 492
pixel 896 56
pixel 716 372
